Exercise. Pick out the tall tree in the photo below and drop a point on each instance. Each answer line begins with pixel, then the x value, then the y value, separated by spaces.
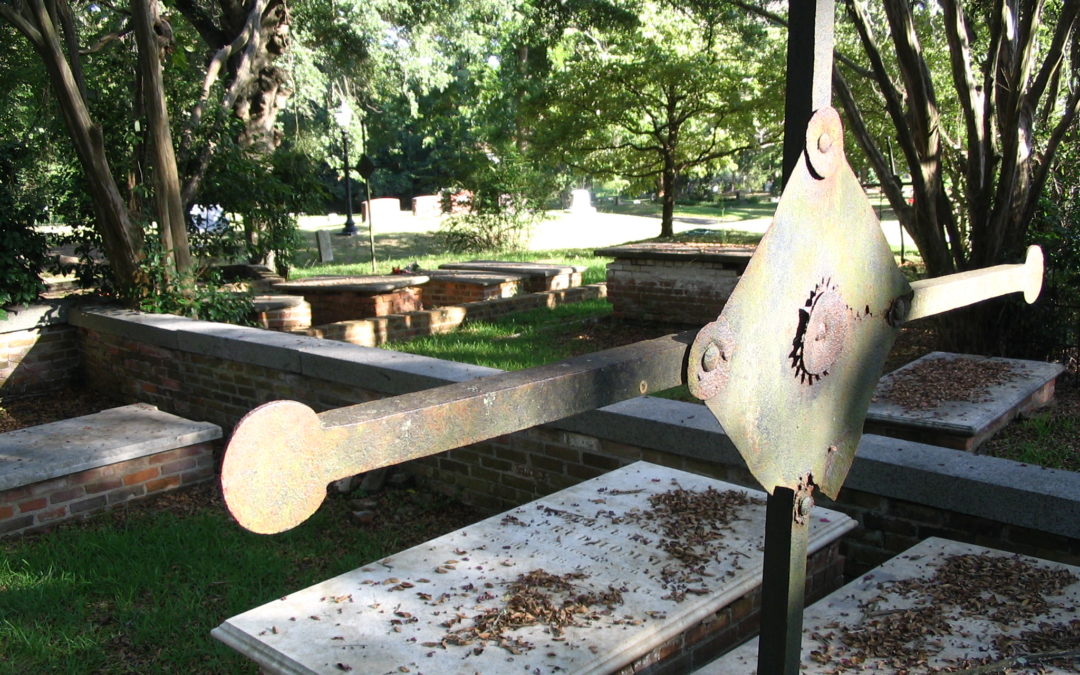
pixel 654 103
pixel 50 28
pixel 1012 73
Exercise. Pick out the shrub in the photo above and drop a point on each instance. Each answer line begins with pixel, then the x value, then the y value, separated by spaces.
pixel 24 249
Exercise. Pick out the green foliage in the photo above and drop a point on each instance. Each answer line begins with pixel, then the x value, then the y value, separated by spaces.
pixel 482 232
pixel 23 248
pixel 263 195
pixel 198 299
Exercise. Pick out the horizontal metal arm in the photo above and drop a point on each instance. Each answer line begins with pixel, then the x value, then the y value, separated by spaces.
pixel 282 455
pixel 941 294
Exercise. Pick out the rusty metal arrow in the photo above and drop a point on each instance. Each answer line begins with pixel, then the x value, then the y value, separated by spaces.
pixel 282 454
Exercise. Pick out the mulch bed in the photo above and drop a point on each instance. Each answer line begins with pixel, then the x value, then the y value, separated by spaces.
pixel 17 412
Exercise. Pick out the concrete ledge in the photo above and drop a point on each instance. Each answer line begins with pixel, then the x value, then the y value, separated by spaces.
pixel 48 451
pixel 1009 492
pixel 999 489
pixel 38 315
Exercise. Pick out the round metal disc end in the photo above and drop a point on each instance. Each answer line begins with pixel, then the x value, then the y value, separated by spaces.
pixel 824 143
pixel 270 476
pixel 709 365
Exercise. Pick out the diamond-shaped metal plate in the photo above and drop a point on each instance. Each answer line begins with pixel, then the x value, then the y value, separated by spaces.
pixel 789 366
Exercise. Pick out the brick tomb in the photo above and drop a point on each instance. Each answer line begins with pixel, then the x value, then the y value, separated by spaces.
pixel 337 298
pixel 75 467
pixel 606 546
pixel 939 605
pixel 673 282
pixel 282 312
pixel 538 277
pixel 958 400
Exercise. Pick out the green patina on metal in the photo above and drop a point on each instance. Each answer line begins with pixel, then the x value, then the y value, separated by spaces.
pixel 790 365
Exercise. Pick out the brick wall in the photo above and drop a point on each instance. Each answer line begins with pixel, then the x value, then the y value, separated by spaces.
pixel 288 314
pixel 898 491
pixel 443 292
pixel 38 350
pixel 77 495
pixel 379 330
pixel 689 292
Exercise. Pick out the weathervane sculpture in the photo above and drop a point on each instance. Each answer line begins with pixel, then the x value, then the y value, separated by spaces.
pixel 788 368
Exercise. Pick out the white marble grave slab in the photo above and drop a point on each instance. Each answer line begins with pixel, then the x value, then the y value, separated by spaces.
pixel 873 597
pixel 996 406
pixel 369 621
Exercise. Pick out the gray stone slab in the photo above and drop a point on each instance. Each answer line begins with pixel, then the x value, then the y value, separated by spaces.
pixel 60 448
pixel 530 269
pixel 474 277
pixel 722 253
pixel 965 418
pixel 258 346
pixel 369 285
pixel 867 603
pixel 37 315
pixel 263 303
pixel 370 621
pixel 154 329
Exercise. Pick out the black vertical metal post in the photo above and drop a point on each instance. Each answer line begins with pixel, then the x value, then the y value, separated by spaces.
pixel 784 582
pixel 809 72
pixel 809 88
pixel 350 226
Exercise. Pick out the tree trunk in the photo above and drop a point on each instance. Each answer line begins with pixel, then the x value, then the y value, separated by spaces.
pixel 122 239
pixel 167 202
pixel 667 197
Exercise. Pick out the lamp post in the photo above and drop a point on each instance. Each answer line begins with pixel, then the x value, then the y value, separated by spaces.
pixel 344 116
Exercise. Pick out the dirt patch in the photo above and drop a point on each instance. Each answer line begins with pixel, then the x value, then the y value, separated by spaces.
pixel 18 412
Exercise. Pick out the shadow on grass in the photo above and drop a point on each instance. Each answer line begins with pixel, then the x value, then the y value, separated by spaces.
pixel 357 249
pixel 138 590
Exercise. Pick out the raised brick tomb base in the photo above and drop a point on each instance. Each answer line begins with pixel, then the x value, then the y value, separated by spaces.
pixel 906 403
pixel 76 467
pixel 537 277
pixel 457 287
pixel 343 298
pixel 673 283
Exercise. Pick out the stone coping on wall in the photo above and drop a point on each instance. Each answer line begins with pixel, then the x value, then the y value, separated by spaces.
pixel 704 252
pixel 47 451
pixel 37 315
pixel 1006 491
pixel 394 610
pixel 530 269
pixel 476 277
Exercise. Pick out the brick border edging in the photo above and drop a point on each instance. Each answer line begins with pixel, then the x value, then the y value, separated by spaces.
pixel 1044 502
pixel 378 330
pixel 43 504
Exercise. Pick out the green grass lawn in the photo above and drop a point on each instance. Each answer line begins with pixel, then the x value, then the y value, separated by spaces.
pixel 595 266
pixel 138 590
pixel 514 342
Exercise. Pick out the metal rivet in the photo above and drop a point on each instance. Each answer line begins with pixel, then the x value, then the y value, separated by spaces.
pixel 806 504
pixel 711 358
pixel 824 143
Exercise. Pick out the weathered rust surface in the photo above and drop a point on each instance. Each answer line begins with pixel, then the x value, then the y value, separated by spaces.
pixel 789 366
pixel 282 455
